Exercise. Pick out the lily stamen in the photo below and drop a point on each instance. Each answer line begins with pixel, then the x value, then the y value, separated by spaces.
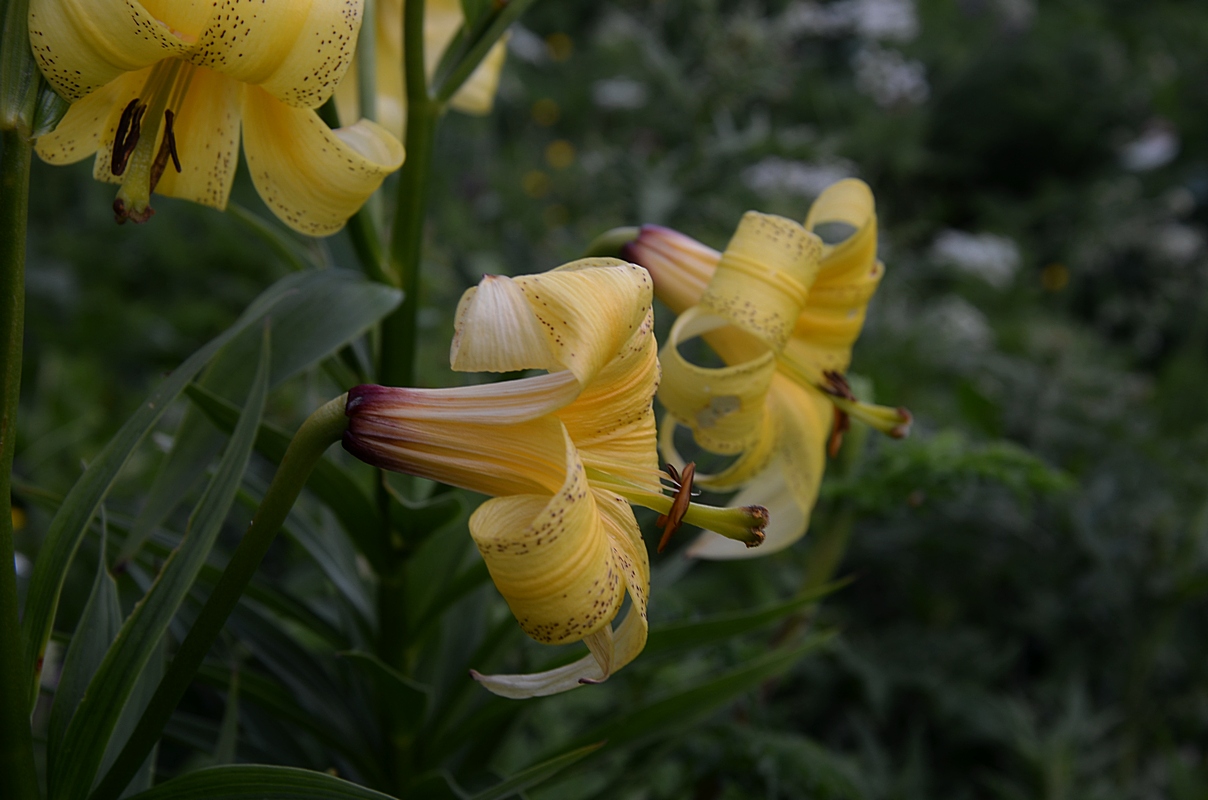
pixel 671 521
pixel 167 149
pixel 127 135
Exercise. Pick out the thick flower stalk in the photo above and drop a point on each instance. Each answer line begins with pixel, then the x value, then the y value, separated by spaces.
pixel 561 453
pixel 161 89
pixel 782 310
pixel 442 20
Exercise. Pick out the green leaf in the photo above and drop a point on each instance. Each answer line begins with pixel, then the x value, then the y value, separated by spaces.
pixel 334 308
pixel 291 251
pixel 69 525
pixel 270 696
pixel 536 774
pixel 677 711
pixel 140 696
pixel 313 681
pixel 91 728
pixel 331 484
pixel 677 636
pixel 407 699
pixel 257 782
pixel 331 551
pixel 98 627
pixel 228 732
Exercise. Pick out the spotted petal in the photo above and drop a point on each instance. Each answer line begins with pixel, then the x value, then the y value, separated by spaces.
pixel 578 317
pixel 297 50
pixel 89 123
pixel 207 139
pixel 848 277
pixel 312 177
pixel 82 45
pixel 610 650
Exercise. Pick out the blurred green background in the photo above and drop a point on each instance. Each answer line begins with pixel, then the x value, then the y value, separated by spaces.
pixel 1027 617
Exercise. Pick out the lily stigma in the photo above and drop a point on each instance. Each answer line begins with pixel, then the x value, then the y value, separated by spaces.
pixel 442 20
pixel 782 311
pixel 563 454
pixel 160 91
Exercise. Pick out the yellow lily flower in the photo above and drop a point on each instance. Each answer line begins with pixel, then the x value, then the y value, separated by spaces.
pixel 442 20
pixel 782 310
pixel 160 89
pixel 561 454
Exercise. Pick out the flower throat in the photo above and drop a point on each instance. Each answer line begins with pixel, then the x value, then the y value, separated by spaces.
pixel 140 152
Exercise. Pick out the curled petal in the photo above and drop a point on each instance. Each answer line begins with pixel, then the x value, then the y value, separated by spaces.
pixel 495 330
pixel 312 177
pixel 82 45
pixel 723 406
pixel 609 651
pixel 612 420
pixel 586 311
pixel 552 558
pixel 297 52
pixel 765 273
pixel 847 279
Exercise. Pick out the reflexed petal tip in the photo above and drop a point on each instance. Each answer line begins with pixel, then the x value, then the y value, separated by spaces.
pixel 312 177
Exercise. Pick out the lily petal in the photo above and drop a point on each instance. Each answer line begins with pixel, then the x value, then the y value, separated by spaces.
pixel 723 406
pixel 477 95
pixel 609 652
pixel 82 45
pixel 586 311
pixel 312 177
pixel 207 139
pixel 612 420
pixel 82 131
pixel 551 558
pixel 297 52
pixel 847 278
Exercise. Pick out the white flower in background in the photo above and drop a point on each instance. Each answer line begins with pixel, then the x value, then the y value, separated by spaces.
pixel 874 20
pixel 959 327
pixel 1178 243
pixel 775 175
pixel 889 78
pixel 527 46
pixel 620 94
pixel 994 259
pixel 1156 147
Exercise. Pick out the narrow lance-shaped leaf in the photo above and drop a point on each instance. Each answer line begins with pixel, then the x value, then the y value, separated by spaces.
pixel 71 522
pixel 98 627
pixel 331 484
pixel 88 735
pixel 309 326
pixel 256 782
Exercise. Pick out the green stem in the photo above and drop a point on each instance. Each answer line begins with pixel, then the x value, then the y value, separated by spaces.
pixel 18 776
pixel 322 429
pixel 470 50
pixel 407 242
